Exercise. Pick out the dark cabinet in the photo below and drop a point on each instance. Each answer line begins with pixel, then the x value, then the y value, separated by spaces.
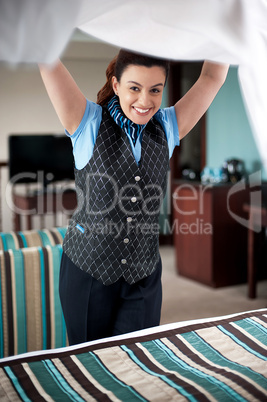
pixel 210 232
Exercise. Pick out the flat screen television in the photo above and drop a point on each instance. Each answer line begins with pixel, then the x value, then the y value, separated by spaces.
pixel 44 158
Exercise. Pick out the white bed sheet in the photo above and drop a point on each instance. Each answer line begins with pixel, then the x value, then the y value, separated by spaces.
pixel 227 31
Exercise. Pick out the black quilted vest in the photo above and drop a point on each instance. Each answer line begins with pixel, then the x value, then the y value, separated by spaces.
pixel 114 230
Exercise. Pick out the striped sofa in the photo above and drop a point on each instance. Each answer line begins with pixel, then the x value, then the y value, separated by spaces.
pixel 31 238
pixel 30 312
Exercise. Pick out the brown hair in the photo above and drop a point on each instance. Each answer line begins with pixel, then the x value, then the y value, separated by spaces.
pixel 119 64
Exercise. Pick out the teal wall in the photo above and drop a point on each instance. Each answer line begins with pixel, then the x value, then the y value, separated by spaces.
pixel 228 130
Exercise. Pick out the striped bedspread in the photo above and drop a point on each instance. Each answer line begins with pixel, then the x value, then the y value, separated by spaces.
pixel 221 359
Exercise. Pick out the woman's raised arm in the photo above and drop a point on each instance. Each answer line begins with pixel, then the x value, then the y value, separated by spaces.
pixel 191 107
pixel 65 95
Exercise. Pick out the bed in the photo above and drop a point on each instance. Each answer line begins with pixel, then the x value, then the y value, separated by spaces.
pixel 223 359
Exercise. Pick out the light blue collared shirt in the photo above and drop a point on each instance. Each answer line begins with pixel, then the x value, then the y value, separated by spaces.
pixel 84 138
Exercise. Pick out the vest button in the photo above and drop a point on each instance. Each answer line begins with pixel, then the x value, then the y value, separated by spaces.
pixel 129 219
pixel 133 199
pixel 137 178
pixel 126 240
pixel 123 261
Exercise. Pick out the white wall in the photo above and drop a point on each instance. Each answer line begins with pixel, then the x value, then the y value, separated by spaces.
pixel 26 108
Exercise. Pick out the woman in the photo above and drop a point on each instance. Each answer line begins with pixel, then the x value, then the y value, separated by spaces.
pixel 110 277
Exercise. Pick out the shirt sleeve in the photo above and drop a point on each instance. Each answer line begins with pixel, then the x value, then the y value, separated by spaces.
pixel 84 138
pixel 168 120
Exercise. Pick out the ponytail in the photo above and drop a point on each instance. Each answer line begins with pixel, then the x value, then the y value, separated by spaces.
pixel 106 93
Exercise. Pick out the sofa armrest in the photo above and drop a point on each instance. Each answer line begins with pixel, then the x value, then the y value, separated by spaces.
pixel 32 238
pixel 30 308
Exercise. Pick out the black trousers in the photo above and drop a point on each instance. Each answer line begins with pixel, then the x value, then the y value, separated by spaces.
pixel 94 311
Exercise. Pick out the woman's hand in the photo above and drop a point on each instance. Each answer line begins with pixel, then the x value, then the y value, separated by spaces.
pixel 191 107
pixel 66 97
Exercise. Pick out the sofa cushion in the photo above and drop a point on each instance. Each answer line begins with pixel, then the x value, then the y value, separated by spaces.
pixel 31 317
pixel 32 238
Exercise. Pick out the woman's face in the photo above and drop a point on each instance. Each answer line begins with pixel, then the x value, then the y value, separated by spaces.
pixel 140 92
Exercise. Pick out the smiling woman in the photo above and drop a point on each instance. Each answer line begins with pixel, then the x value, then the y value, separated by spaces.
pixel 110 281
pixel 140 92
pixel 147 75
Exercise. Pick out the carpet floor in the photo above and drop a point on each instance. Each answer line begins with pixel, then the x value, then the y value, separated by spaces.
pixel 185 299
